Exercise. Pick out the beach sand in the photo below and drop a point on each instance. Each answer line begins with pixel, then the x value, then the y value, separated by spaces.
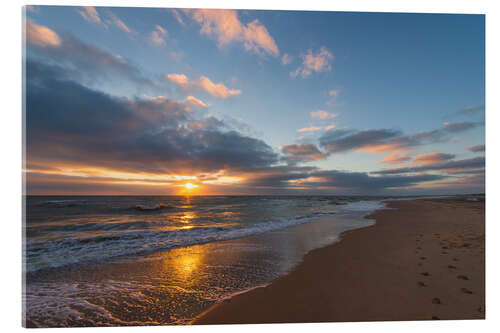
pixel 422 260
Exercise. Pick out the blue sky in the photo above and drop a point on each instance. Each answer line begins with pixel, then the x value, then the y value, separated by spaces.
pixel 403 90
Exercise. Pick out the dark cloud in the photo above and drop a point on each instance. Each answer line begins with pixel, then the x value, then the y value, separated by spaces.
pixel 69 123
pixel 469 110
pixel 471 163
pixel 460 127
pixel 336 141
pixel 388 140
pixel 477 149
pixel 335 179
pixel 302 152
pixel 361 180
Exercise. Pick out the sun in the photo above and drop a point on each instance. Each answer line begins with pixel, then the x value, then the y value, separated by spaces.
pixel 190 186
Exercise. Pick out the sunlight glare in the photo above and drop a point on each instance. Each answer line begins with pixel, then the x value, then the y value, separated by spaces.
pixel 190 186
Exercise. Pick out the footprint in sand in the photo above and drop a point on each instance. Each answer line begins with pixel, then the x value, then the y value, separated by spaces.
pixel 466 291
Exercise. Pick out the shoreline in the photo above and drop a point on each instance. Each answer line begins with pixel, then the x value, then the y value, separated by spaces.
pixel 410 274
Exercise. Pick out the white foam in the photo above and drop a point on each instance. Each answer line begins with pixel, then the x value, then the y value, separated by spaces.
pixel 68 251
pixel 364 206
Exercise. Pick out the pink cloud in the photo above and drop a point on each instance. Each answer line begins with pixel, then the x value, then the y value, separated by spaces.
pixel 310 129
pixel 303 152
pixel 195 102
pixel 321 114
pixel 225 26
pixel 218 90
pixel 177 16
pixel 179 79
pixel 314 62
pixel 41 35
pixel 286 59
pixel 90 14
pixel 157 35
pixel 395 158
pixel 116 21
pixel 433 158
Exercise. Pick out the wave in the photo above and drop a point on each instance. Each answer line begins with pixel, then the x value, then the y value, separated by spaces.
pixel 70 250
pixel 62 203
pixel 80 241
pixel 146 208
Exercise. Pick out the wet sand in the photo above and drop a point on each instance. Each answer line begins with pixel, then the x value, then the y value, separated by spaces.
pixel 422 260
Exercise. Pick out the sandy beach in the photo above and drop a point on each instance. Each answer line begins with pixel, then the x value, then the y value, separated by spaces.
pixel 422 260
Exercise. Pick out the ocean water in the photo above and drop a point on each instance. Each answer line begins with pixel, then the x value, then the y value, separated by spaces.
pixel 97 261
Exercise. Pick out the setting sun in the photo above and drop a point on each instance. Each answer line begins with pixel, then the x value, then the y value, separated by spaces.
pixel 190 186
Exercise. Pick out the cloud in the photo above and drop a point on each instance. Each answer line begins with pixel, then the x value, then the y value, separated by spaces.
pixel 469 110
pixel 156 38
pixel 162 30
pixel 318 180
pixel 395 158
pixel 98 142
pixel 41 36
pixel 69 124
pixel 218 90
pixel 91 15
pixel 258 40
pixel 460 127
pixel 179 79
pixel 310 129
pixel 225 26
pixel 286 59
pixel 477 149
pixel 158 35
pixel 433 158
pixel 314 62
pixel 302 152
pixel 191 100
pixel 321 114
pixel 117 22
pixel 334 92
pixel 450 167
pixel 177 16
pixel 82 61
pixel 361 180
pixel 379 141
pixel 345 140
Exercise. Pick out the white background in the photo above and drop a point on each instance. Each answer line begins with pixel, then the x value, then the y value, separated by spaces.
pixel 11 125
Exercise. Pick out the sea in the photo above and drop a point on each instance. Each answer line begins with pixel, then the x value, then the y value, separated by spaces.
pixel 157 260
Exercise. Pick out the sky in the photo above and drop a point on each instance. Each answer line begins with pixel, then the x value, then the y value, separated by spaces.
pixel 142 101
